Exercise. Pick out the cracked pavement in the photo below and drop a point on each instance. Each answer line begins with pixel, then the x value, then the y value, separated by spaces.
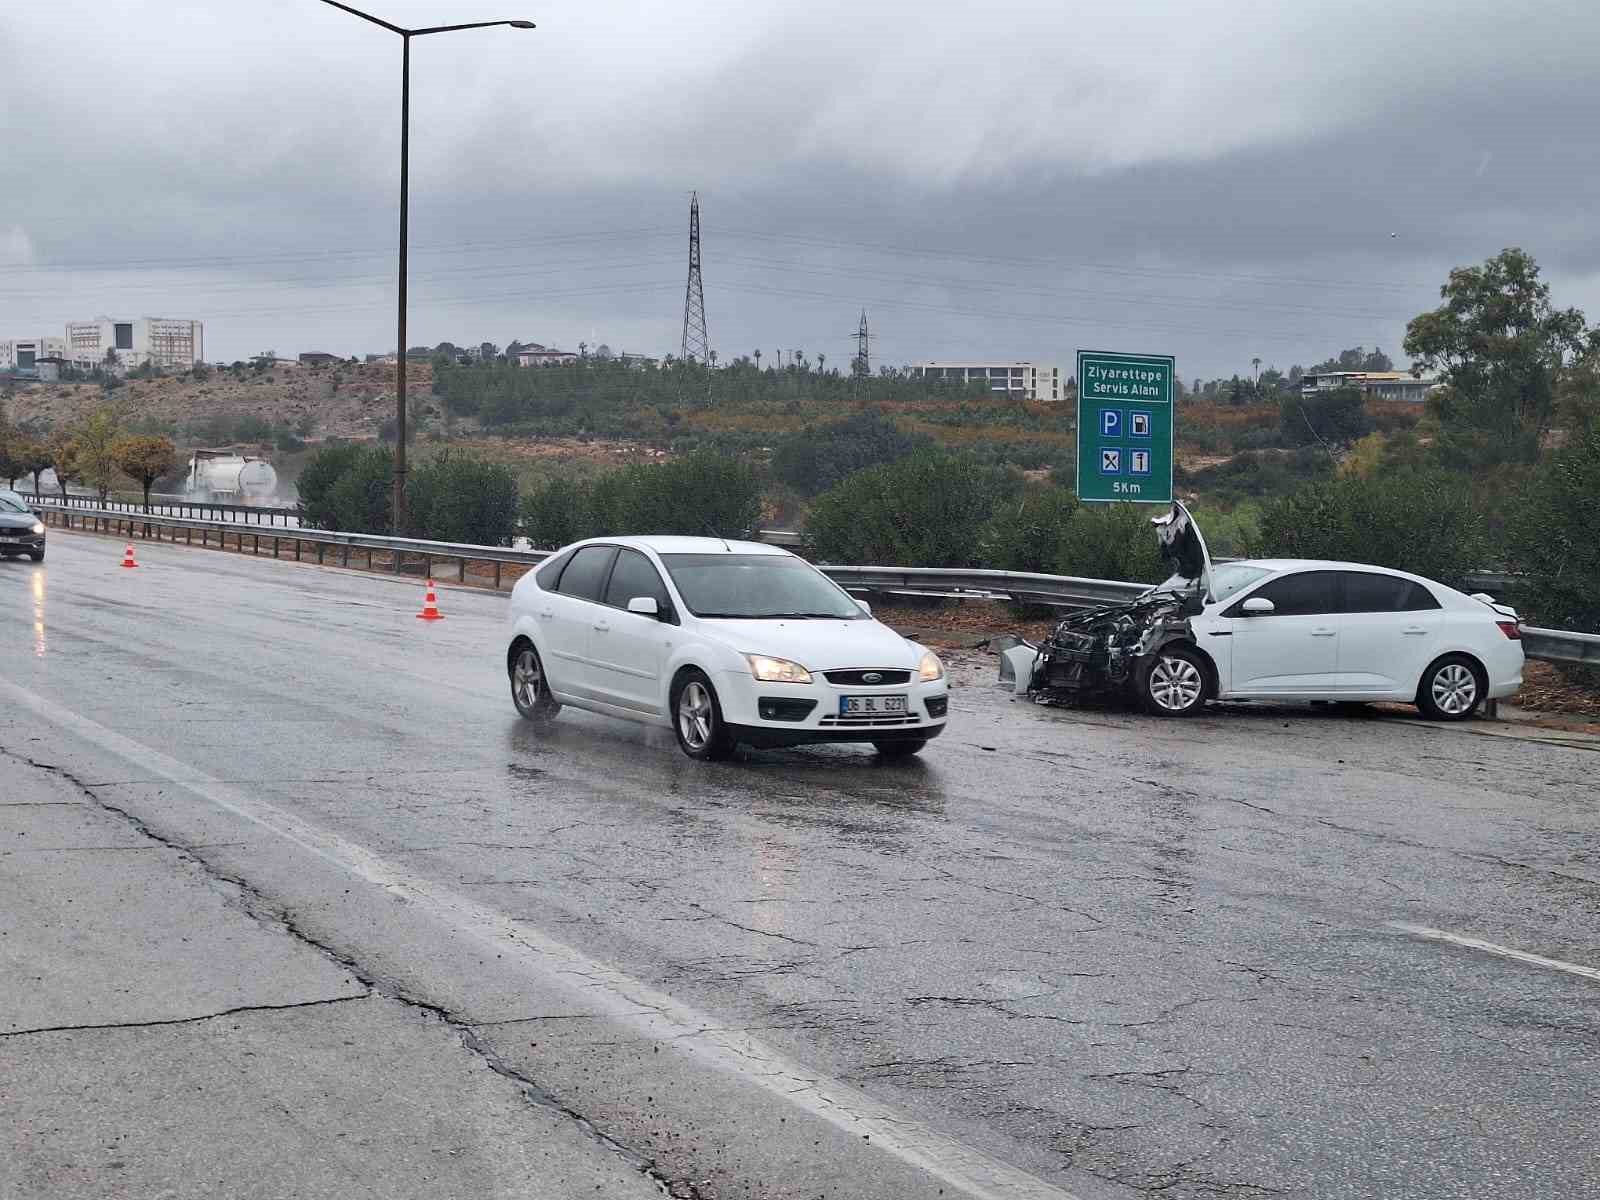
pixel 1124 956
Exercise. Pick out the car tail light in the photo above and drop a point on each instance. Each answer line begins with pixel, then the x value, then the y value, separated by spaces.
pixel 1509 628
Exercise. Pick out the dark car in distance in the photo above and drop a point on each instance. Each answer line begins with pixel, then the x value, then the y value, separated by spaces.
pixel 21 529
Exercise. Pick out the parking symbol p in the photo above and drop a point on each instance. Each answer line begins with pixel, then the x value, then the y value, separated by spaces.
pixel 1110 462
pixel 1110 422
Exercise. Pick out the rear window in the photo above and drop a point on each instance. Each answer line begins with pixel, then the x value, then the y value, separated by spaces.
pixel 586 573
pixel 1365 592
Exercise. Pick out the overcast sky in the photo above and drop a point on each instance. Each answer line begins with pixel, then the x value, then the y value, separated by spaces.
pixel 1215 179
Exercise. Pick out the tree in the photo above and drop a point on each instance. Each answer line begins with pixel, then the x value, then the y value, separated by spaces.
pixel 62 453
pixel 145 460
pixel 1111 541
pixel 1550 535
pixel 315 485
pixel 1332 419
pixel 95 435
pixel 1500 348
pixel 1024 534
pixel 818 458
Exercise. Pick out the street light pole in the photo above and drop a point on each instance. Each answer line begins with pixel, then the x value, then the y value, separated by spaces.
pixel 405 205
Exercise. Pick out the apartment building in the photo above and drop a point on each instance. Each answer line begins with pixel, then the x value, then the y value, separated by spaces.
pixel 25 354
pixel 1382 385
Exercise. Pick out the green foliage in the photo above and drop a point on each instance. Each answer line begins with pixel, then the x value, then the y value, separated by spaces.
pixel 459 499
pixel 1112 541
pixel 95 436
pixel 1254 475
pixel 362 498
pixel 929 509
pixel 1332 419
pixel 317 480
pixel 702 494
pixel 1024 534
pixel 1501 349
pixel 818 458
pixel 1553 536
pixel 144 460
pixel 1424 522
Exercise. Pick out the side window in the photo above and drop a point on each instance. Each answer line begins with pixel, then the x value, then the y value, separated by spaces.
pixel 549 574
pixel 1306 594
pixel 586 573
pixel 1420 599
pixel 634 576
pixel 1365 592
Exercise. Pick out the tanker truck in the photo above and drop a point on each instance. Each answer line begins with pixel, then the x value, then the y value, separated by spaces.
pixel 224 477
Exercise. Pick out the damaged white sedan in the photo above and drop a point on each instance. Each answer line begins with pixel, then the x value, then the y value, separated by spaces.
pixel 1279 629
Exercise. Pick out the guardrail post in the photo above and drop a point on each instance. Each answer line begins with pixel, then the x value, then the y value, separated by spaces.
pixel 497 575
pixel 463 575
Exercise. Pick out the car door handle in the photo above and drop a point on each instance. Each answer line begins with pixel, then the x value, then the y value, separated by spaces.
pixel 546 613
pixel 1323 631
pixel 602 627
pixel 1413 631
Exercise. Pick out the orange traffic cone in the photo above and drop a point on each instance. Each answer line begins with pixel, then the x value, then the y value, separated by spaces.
pixel 430 606
pixel 127 557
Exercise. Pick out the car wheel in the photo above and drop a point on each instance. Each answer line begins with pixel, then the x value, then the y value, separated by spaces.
pixel 903 749
pixel 530 690
pixel 1451 689
pixel 697 719
pixel 36 555
pixel 1175 683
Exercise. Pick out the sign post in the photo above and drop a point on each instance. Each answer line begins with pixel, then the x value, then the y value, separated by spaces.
pixel 1125 419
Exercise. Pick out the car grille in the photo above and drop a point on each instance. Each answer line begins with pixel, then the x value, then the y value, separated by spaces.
pixel 857 678
pixel 869 721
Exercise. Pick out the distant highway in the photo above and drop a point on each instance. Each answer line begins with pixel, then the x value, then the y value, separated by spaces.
pixel 1068 954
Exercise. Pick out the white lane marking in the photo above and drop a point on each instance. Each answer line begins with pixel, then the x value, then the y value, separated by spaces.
pixel 1472 943
pixel 607 991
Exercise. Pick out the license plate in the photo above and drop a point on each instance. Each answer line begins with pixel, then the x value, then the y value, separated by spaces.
pixel 7 537
pixel 872 706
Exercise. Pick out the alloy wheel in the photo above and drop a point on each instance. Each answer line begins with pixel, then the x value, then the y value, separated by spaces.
pixel 1454 689
pixel 695 715
pixel 1176 684
pixel 527 680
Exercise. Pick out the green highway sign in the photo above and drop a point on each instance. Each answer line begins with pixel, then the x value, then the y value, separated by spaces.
pixel 1125 416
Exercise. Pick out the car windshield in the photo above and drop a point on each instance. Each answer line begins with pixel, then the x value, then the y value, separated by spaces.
pixel 756 587
pixel 1225 580
pixel 11 502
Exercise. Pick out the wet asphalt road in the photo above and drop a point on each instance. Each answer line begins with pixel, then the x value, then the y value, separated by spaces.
pixel 1122 956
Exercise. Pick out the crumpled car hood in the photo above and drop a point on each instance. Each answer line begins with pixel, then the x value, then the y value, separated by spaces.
pixel 1183 547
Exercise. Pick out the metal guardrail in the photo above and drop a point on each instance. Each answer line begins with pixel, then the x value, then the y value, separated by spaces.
pixel 399 555
pixel 1561 645
pixel 1024 587
pixel 1063 591
pixel 177 506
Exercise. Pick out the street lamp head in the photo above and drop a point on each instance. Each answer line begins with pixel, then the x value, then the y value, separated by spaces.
pixel 522 24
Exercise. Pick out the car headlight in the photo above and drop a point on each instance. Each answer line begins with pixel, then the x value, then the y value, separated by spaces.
pixel 776 670
pixel 38 527
pixel 930 669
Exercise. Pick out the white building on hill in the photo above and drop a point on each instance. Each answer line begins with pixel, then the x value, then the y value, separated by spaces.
pixel 166 342
pixel 1018 380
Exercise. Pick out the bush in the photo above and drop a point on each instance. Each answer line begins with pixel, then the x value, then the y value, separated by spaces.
pixel 704 494
pixel 1112 541
pixel 816 459
pixel 1424 522
pixel 1552 536
pixel 930 509
pixel 1334 418
pixel 460 499
pixel 1025 534
pixel 349 488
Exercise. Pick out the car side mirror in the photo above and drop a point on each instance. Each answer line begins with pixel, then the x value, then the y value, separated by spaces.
pixel 645 606
pixel 1258 606
pixel 863 606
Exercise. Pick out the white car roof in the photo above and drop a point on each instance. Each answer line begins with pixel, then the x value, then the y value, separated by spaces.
pixel 673 544
pixel 1325 564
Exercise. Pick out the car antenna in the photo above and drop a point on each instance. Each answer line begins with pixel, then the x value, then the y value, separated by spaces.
pixel 706 525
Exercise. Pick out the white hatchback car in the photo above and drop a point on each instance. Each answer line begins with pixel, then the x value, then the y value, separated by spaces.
pixel 724 642
pixel 1281 629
